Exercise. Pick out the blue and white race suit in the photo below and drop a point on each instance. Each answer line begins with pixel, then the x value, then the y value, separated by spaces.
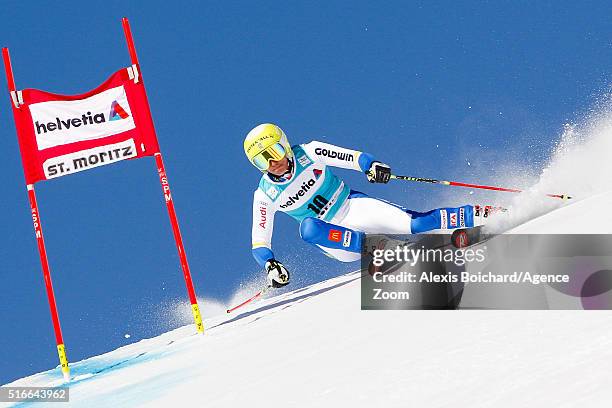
pixel 320 200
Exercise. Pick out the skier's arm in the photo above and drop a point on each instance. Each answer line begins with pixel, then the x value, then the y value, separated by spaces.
pixel 336 156
pixel 263 225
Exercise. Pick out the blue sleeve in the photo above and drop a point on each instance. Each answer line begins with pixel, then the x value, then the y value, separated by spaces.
pixel 262 255
pixel 365 161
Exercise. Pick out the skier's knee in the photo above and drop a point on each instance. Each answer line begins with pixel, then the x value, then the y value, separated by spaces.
pixel 310 229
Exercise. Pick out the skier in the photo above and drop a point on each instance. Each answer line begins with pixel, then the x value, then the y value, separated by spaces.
pixel 297 180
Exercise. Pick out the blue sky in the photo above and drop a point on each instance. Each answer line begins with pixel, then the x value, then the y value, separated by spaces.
pixel 426 87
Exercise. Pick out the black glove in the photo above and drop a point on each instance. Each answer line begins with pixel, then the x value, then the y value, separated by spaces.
pixel 278 275
pixel 378 173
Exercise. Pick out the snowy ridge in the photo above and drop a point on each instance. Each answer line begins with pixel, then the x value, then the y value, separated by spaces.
pixel 315 347
pixel 588 216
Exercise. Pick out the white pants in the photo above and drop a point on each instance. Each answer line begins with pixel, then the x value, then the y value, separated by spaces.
pixel 371 216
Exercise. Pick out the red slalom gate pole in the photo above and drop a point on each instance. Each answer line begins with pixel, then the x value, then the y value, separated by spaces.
pixel 163 179
pixel 42 251
pixel 8 69
pixel 130 41
pixel 61 349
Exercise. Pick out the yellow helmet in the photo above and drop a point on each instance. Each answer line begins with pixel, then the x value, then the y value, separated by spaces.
pixel 266 142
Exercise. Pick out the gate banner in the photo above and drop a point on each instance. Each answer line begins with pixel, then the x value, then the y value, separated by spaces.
pixel 61 134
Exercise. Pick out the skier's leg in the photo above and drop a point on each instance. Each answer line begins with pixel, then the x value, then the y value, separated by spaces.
pixel 342 237
pixel 373 216
pixel 341 243
pixel 376 216
pixel 443 218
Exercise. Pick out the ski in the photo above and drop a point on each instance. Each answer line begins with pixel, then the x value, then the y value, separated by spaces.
pixel 257 295
pixel 464 237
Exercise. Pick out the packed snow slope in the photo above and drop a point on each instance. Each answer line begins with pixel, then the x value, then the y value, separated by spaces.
pixel 315 347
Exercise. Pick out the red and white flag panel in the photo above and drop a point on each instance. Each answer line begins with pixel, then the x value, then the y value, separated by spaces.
pixel 61 134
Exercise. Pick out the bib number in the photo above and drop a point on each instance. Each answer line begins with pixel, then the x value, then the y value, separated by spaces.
pixel 317 204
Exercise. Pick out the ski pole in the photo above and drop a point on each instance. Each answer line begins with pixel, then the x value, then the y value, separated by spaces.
pixel 249 300
pixel 459 184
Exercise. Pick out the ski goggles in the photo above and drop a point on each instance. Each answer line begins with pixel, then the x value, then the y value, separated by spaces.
pixel 274 152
